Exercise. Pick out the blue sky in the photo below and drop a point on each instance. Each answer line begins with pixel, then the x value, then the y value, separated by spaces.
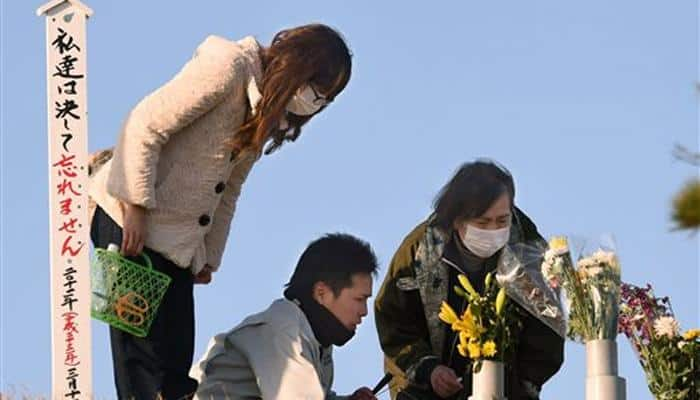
pixel 582 101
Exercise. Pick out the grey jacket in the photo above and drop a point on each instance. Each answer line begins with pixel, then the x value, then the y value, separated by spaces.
pixel 270 355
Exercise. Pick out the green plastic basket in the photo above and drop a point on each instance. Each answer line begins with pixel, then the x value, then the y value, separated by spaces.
pixel 126 295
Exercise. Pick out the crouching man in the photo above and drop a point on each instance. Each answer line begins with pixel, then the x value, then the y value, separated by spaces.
pixel 285 352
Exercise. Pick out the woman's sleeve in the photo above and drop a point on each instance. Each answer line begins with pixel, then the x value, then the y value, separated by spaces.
pixel 400 319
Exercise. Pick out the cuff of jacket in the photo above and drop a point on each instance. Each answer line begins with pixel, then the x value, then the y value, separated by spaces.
pixel 531 390
pixel 420 372
pixel 138 195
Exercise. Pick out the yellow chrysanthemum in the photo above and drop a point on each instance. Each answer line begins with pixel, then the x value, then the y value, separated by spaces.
pixel 447 314
pixel 691 334
pixel 474 350
pixel 489 349
pixel 558 243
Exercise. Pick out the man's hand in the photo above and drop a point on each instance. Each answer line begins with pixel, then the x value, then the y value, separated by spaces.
pixel 204 276
pixel 444 381
pixel 363 394
pixel 134 229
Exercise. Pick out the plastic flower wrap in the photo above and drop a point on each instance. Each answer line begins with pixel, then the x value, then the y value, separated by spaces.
pixel 577 300
pixel 671 360
pixel 519 272
pixel 485 328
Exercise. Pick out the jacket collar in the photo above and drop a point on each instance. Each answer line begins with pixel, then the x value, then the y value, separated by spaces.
pixel 304 324
pixel 251 51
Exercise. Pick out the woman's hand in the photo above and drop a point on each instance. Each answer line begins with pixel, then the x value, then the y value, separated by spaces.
pixel 134 229
pixel 363 394
pixel 444 381
pixel 204 276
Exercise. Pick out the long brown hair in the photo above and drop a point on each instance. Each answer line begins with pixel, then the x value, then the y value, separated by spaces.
pixel 310 54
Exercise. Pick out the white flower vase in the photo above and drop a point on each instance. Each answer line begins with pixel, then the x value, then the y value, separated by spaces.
pixel 487 384
pixel 602 382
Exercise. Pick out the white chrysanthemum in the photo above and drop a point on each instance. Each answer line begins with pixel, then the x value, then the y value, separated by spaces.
pixel 614 262
pixel 599 255
pixel 547 270
pixel 666 326
pixel 549 256
pixel 606 257
pixel 558 265
pixel 682 344
pixel 586 262
pixel 551 269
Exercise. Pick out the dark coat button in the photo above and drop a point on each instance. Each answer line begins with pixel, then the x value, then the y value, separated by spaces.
pixel 219 187
pixel 204 220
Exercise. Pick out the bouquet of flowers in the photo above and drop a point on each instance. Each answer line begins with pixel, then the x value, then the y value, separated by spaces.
pixel 485 328
pixel 591 288
pixel 670 360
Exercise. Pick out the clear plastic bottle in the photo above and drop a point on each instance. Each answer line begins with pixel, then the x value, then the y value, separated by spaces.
pixel 103 276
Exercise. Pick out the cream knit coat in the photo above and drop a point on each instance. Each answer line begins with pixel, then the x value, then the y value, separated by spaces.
pixel 171 156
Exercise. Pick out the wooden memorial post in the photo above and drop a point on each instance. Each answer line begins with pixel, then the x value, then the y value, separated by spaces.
pixel 66 74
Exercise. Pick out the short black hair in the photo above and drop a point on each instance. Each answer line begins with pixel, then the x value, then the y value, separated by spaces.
pixel 471 191
pixel 332 259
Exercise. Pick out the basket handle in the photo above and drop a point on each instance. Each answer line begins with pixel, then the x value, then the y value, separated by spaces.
pixel 145 256
pixel 115 248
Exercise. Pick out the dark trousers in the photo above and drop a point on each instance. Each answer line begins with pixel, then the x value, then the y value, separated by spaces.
pixel 155 366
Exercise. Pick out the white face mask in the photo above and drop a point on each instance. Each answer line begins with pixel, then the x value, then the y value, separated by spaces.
pixel 483 242
pixel 306 102
pixel 300 103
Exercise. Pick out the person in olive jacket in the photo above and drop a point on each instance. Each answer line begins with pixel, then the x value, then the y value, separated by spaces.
pixel 474 218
